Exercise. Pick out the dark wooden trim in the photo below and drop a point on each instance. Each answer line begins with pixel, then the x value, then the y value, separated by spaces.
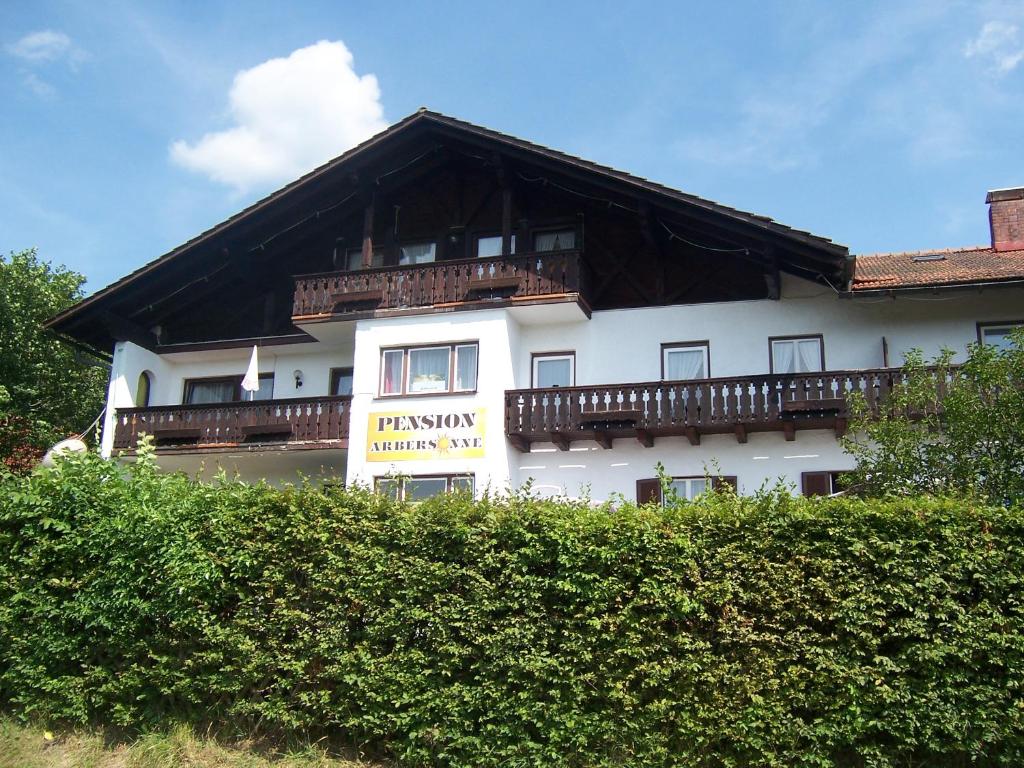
pixel 648 491
pixel 797 337
pixel 736 405
pixel 258 341
pixel 666 345
pixel 302 422
pixel 568 353
pixel 980 326
pixel 818 482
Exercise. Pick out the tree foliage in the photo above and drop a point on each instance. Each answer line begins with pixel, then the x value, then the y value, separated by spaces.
pixel 47 390
pixel 947 430
pixel 731 631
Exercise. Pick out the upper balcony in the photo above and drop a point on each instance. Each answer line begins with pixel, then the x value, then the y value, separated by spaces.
pixel 646 411
pixel 286 424
pixel 534 278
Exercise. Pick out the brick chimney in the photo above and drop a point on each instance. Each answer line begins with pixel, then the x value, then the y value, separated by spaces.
pixel 1006 218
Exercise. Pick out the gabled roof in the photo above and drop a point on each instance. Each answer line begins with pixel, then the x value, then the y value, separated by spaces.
pixel 937 268
pixel 829 258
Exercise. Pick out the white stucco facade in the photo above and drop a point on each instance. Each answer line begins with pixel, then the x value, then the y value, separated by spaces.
pixel 614 346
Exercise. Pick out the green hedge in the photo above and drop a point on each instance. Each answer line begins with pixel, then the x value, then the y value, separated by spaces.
pixel 726 632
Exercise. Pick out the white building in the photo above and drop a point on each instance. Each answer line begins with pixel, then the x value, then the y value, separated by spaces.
pixel 446 306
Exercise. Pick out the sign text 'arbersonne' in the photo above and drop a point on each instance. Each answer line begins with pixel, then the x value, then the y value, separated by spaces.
pixel 403 436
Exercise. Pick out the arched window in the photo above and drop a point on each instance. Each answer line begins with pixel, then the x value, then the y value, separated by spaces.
pixel 143 389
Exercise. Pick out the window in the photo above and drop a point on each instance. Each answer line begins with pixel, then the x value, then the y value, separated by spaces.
pixel 227 389
pixel 797 354
pixel 554 240
pixel 341 381
pixel 684 361
pixel 491 246
pixel 819 483
pixel 997 334
pixel 143 389
pixel 648 491
pixel 416 253
pixel 422 487
pixel 554 369
pixel 354 259
pixel 429 370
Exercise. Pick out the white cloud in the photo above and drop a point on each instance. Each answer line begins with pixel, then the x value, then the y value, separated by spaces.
pixel 38 86
pixel 999 43
pixel 44 45
pixel 291 114
pixel 780 121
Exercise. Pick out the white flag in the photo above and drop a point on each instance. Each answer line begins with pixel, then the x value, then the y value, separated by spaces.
pixel 251 382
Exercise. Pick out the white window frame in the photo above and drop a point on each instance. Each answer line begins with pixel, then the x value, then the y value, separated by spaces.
pixel 544 357
pixel 686 346
pixel 1005 327
pixel 794 340
pixel 400 482
pixel 689 481
pixel 453 352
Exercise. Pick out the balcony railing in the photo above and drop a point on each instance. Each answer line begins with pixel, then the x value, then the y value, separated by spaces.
pixel 708 406
pixel 442 283
pixel 316 422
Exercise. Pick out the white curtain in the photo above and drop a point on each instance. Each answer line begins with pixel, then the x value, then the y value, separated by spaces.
pixel 202 392
pixel 684 364
pixel 809 352
pixel 418 253
pixel 428 370
pixel 783 358
pixel 465 367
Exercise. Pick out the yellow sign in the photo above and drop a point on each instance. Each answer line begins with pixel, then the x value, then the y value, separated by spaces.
pixel 403 436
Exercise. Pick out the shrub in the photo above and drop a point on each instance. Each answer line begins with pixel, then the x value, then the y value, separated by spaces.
pixel 514 631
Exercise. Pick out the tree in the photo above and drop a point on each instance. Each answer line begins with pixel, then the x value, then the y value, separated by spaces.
pixel 48 390
pixel 947 430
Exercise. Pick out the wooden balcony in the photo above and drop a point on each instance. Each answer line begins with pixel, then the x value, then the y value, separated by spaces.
pixel 522 279
pixel 300 423
pixel 656 409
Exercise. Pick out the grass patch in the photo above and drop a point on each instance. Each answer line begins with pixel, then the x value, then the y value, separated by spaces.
pixel 33 747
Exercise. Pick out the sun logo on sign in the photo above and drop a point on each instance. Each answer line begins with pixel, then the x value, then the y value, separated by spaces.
pixel 443 443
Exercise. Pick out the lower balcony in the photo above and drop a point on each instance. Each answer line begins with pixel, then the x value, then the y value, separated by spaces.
pixel 293 424
pixel 650 410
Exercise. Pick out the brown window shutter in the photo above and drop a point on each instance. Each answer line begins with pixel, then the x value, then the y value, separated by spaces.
pixel 723 480
pixel 648 491
pixel 816 483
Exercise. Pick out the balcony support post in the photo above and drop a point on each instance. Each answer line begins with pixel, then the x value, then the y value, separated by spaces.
pixel 370 199
pixel 560 441
pixel 645 438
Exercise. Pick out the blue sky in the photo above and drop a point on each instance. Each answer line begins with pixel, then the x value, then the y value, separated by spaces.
pixel 128 128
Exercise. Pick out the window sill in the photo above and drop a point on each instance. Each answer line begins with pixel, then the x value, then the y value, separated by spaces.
pixel 421 395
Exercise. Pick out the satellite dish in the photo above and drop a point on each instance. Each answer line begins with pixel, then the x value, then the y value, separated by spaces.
pixel 71 445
